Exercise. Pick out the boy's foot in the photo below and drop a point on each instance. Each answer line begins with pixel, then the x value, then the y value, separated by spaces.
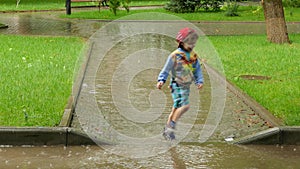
pixel 168 133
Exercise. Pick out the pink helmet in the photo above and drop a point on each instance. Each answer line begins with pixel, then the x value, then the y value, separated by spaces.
pixel 187 35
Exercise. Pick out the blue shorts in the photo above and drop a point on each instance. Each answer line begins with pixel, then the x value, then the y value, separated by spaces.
pixel 180 95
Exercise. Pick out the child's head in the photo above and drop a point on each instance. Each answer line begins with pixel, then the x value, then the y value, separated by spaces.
pixel 187 39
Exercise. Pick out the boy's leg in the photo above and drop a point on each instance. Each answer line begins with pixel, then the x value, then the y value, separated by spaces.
pixel 176 113
pixel 168 131
pixel 179 112
pixel 173 117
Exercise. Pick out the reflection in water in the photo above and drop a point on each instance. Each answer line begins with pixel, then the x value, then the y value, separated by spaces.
pixel 177 162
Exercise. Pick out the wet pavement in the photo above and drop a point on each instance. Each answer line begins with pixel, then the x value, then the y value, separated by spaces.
pixel 136 132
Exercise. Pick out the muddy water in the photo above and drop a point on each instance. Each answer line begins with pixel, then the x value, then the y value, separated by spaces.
pixel 46 24
pixel 181 157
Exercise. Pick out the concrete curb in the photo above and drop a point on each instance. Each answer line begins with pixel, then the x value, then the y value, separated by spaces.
pixel 273 136
pixel 43 136
pixel 68 114
pixel 3 26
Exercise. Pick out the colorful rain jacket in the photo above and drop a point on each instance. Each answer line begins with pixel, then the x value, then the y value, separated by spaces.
pixel 184 67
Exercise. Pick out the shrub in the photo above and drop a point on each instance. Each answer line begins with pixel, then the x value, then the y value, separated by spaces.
pixel 115 4
pixel 231 8
pixel 181 6
pixel 291 3
pixel 186 6
pixel 213 5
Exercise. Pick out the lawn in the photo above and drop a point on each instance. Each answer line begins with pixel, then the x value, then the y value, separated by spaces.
pixel 11 5
pixel 253 55
pixel 36 79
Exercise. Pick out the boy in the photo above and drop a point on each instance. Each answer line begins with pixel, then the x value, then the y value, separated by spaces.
pixel 185 68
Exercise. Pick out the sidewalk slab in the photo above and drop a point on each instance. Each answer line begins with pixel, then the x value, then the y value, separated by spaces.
pixel 33 136
pixel 19 136
pixel 290 135
pixel 270 136
pixel 274 136
pixel 78 137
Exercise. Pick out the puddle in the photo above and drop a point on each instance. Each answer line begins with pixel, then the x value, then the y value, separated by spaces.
pixel 209 155
pixel 49 24
pixel 46 24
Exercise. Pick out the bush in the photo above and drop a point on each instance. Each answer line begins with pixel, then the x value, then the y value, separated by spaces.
pixel 181 6
pixel 291 3
pixel 115 4
pixel 231 8
pixel 213 5
pixel 187 6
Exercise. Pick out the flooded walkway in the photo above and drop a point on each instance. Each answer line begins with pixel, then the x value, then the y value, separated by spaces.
pixel 118 102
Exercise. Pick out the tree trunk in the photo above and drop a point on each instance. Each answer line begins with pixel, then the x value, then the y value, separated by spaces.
pixel 275 21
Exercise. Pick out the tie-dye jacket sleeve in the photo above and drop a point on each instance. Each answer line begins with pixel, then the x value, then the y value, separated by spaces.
pixel 164 73
pixel 198 73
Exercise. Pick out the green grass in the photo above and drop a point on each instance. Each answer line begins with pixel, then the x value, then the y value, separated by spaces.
pixel 36 78
pixel 248 13
pixel 253 55
pixel 147 2
pixel 11 5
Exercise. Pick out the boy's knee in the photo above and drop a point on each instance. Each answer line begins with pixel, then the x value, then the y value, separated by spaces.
pixel 187 107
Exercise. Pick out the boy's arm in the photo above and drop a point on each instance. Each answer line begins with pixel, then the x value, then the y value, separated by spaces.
pixel 198 74
pixel 164 73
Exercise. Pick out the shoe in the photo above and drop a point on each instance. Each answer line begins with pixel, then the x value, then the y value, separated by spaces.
pixel 168 133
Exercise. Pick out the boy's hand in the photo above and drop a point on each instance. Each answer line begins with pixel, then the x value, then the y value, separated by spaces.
pixel 159 84
pixel 199 86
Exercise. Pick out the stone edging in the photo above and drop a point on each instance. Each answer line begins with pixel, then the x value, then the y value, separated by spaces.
pixel 273 136
pixel 3 26
pixel 19 136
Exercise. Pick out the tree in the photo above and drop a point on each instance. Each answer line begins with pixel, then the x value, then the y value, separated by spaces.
pixel 275 21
